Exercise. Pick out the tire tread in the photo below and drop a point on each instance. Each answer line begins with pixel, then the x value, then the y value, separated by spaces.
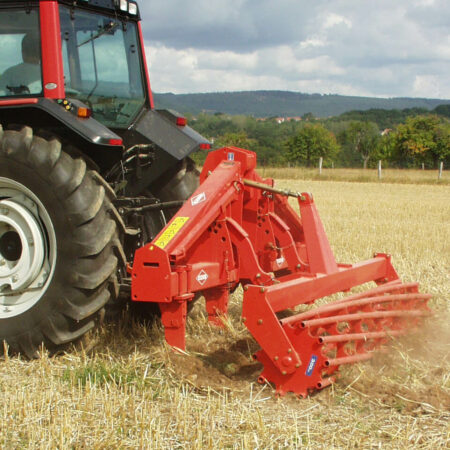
pixel 92 276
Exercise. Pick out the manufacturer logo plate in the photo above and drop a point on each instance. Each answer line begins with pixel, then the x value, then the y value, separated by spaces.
pixel 202 277
pixel 280 261
pixel 200 198
pixel 311 365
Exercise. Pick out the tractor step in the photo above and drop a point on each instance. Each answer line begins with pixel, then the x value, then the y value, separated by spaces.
pixel 343 332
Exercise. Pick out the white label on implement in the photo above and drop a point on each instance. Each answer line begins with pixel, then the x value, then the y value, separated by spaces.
pixel 311 365
pixel 200 198
pixel 230 156
pixel 202 277
pixel 280 261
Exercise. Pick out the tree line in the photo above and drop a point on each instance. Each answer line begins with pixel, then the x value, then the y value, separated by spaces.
pixel 401 138
pixel 263 103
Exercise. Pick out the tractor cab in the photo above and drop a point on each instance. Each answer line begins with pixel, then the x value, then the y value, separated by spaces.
pixel 79 69
pixel 101 58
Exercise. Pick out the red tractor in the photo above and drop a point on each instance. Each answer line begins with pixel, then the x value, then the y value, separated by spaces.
pixel 81 142
pixel 100 202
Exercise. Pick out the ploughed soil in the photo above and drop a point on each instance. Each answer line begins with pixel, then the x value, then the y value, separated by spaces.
pixel 410 374
pixel 218 365
pixel 217 360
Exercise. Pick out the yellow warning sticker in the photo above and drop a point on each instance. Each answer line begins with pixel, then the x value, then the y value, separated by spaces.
pixel 171 231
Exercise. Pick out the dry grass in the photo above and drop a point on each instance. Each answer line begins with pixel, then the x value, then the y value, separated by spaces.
pixel 128 390
pixel 406 176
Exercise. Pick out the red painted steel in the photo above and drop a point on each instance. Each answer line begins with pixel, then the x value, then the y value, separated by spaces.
pixel 343 332
pixel 237 228
pixel 18 101
pixel 360 336
pixel 360 316
pixel 320 255
pixel 52 64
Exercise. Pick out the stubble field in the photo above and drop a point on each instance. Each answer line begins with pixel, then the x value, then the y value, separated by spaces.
pixel 125 389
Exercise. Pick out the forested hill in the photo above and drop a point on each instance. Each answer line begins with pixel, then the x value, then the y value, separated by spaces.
pixel 283 103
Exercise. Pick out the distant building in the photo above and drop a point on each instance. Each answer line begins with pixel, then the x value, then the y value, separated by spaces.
pixel 288 119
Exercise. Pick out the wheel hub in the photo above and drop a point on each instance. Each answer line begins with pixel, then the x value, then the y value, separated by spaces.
pixel 10 246
pixel 27 248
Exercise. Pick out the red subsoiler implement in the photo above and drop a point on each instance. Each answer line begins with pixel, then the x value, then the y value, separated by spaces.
pixel 237 228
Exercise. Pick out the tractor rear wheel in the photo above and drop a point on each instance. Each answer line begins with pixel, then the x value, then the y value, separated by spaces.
pixel 177 184
pixel 59 244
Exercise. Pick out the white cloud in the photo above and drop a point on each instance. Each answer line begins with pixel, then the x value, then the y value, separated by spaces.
pixel 424 2
pixel 335 19
pixel 381 48
pixel 199 71
pixel 313 42
pixel 430 86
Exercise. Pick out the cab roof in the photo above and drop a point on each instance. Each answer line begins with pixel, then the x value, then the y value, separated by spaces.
pixel 122 8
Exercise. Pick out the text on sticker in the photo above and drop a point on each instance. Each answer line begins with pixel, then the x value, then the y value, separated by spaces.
pixel 311 365
pixel 171 231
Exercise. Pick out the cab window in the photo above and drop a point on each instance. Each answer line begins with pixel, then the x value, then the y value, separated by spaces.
pixel 102 66
pixel 20 53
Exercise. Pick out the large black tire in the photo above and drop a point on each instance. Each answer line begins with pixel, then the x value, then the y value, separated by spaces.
pixel 177 184
pixel 79 236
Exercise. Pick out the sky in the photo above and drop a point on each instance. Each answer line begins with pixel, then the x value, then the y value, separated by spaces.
pixel 380 48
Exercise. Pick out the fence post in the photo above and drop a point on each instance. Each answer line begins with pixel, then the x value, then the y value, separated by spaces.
pixel 423 166
pixel 441 168
pixel 320 165
pixel 379 169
